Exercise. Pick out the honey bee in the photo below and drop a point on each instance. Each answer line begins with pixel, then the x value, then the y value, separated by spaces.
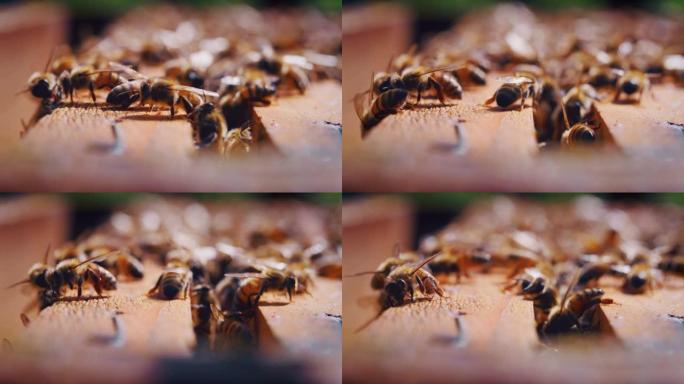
pixel 577 134
pixel 291 69
pixel 80 77
pixel 239 295
pixel 182 71
pixel 546 111
pixel 640 278
pixel 630 83
pixel 401 282
pixel 520 259
pixel 159 92
pixel 544 298
pixel 575 311
pixel 386 267
pixel 415 81
pixel 601 76
pixel 450 85
pixel 672 264
pixel 208 126
pixel 471 73
pixel 513 89
pixel 171 283
pixel 238 107
pixel 51 281
pixel 123 263
pixel 454 260
pixel 387 103
pixel 579 103
pixel 205 310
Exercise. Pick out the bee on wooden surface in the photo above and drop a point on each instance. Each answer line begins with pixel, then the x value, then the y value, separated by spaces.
pixel 387 103
pixel 640 278
pixel 205 309
pixel 575 311
pixel 602 76
pixel 630 83
pixel 471 74
pixel 238 107
pixel 291 69
pixel 69 273
pixel 236 294
pixel 79 78
pixel 416 81
pixel 579 103
pixel 45 86
pixel 513 89
pixel 123 263
pixel 172 283
pixel 457 261
pixel 208 126
pixel 520 259
pixel 577 134
pixel 386 267
pixel 404 60
pixel 450 85
pixel 544 298
pixel 400 284
pixel 155 52
pixel 546 111
pixel 529 278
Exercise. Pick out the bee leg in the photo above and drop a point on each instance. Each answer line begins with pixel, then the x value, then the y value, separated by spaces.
pixel 91 87
pixel 421 287
pixel 79 285
pixel 490 100
pixel 173 104
pixel 438 89
pixel 156 286
pixel 97 283
pixel 616 96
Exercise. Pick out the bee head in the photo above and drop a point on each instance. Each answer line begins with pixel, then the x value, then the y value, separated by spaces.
pixel 195 79
pixel 584 134
pixel 637 281
pixel 630 86
pixel 396 290
pixel 41 88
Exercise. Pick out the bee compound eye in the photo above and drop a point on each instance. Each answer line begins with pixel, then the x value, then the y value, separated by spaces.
pixel 505 97
pixel 630 87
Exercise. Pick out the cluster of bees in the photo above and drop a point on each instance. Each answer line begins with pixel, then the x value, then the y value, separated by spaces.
pixel 562 62
pixel 216 65
pixel 223 258
pixel 576 249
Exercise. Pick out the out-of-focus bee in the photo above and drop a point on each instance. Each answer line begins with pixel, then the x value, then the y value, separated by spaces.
pixel 672 264
pixel 674 66
pixel 513 89
pixel 579 103
pixel 208 126
pixel 592 272
pixel 292 70
pixel 172 283
pixel 62 63
pixel 387 103
pixel 519 259
pixel 45 85
pixel 577 134
pixel 546 111
pixel 239 295
pixel 155 52
pixel 123 263
pixel 457 261
pixel 182 71
pixel 79 78
pixel 450 85
pixel 404 60
pixel 205 310
pixel 630 83
pixel 400 284
pixel 601 76
pixel 471 73
pixel 640 278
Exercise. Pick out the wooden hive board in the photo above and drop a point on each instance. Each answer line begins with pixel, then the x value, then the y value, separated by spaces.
pixel 415 343
pixel 400 154
pixel 61 152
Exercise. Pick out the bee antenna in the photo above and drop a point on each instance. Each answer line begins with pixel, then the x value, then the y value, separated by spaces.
pixel 363 273
pixel 93 258
pixel 47 254
pixel 369 322
pixel 18 283
pixel 573 282
pixel 22 91
pixel 397 250
pixel 565 116
pixel 422 264
pixel 52 54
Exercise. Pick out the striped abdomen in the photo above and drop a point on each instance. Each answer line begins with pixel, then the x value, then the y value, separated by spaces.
pixel 387 103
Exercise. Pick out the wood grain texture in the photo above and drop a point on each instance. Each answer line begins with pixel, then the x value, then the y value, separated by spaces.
pixel 409 151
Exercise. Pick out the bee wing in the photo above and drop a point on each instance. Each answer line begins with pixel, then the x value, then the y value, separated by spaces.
pixel 93 258
pixel 197 91
pixel 244 275
pixel 571 286
pixel 298 60
pixel 47 254
pixel 422 263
